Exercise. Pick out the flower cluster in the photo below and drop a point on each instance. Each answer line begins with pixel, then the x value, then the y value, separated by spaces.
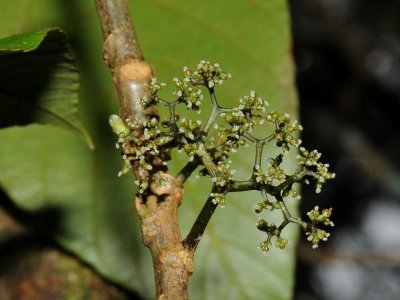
pixel 188 93
pixel 310 161
pixel 252 102
pixel 210 145
pixel 316 216
pixel 228 141
pixel 271 231
pixel 236 123
pixel 267 205
pixel 284 130
pixel 225 176
pixel 138 150
pixel 190 128
pixel 247 114
pixel 207 73
pixel 273 174
pixel 188 89
pixel 315 234
pixel 154 87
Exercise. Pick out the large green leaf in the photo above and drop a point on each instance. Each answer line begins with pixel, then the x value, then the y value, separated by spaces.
pixel 93 214
pixel 39 81
pixel 251 40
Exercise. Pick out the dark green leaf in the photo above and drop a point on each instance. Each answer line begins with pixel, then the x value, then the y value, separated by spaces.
pixel 39 81
pixel 50 169
pixel 27 41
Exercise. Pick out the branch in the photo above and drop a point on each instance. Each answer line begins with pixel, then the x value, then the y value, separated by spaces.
pixel 196 232
pixel 158 205
pixel 199 226
pixel 122 45
pixel 188 169
pixel 122 54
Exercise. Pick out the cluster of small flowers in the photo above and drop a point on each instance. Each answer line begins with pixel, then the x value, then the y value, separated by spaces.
pixel 190 149
pixel 224 167
pixel 226 177
pixel 259 207
pixel 234 131
pixel 188 89
pixel 284 130
pixel 146 102
pixel 244 117
pixel 271 231
pixel 292 193
pixel 221 173
pixel 134 149
pixel 218 198
pixel 151 129
pixel 143 171
pixel 154 87
pixel 206 73
pixel 320 217
pixel 238 120
pixel 188 93
pixel 241 120
pixel 273 172
pixel 266 205
pixel 228 141
pixel 222 180
pixel 315 235
pixel 252 102
pixel 189 128
pixel 310 160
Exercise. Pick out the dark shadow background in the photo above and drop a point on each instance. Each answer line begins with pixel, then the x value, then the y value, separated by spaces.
pixel 348 76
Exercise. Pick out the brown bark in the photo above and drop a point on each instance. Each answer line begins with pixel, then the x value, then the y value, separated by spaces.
pixel 158 206
pixel 173 264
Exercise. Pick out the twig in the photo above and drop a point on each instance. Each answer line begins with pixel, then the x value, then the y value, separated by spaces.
pixel 122 54
pixel 187 170
pixel 121 42
pixel 173 264
pixel 199 226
